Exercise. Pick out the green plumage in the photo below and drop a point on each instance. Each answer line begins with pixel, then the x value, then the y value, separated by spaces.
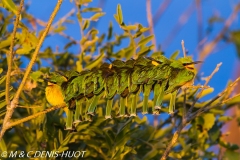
pixel 127 79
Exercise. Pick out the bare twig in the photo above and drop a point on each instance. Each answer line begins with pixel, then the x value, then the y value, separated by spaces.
pixel 184 103
pixel 207 107
pixel 184 90
pixel 79 22
pixel 35 115
pixel 160 11
pixel 64 18
pixel 199 20
pixel 208 48
pixel 206 83
pixel 182 20
pixel 150 23
pixel 11 54
pixel 13 104
pixel 183 49
pixel 173 141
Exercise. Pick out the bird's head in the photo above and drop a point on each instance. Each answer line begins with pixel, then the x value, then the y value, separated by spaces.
pixel 55 78
pixel 188 63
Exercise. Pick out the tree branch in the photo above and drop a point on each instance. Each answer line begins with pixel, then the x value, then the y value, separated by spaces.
pixel 13 104
pixel 160 11
pixel 208 107
pixel 150 23
pixel 173 141
pixel 35 115
pixel 204 86
pixel 207 49
pixel 11 54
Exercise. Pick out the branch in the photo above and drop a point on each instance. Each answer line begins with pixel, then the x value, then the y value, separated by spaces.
pixel 173 141
pixel 182 20
pixel 204 86
pixel 35 115
pixel 199 19
pixel 150 23
pixel 11 54
pixel 13 104
pixel 160 11
pixel 208 48
pixel 208 107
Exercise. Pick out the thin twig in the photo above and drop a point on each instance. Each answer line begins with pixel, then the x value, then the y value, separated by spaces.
pixel 35 115
pixel 207 106
pixel 206 83
pixel 199 20
pixel 160 11
pixel 208 48
pixel 184 89
pixel 64 18
pixel 150 23
pixel 13 104
pixel 184 103
pixel 182 20
pixel 11 54
pixel 183 49
pixel 79 22
pixel 173 141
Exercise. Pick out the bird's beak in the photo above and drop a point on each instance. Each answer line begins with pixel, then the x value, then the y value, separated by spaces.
pixel 196 62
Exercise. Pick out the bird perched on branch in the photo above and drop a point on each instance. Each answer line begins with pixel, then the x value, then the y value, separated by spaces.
pixel 53 91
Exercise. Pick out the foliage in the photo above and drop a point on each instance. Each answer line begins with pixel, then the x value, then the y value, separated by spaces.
pixel 116 138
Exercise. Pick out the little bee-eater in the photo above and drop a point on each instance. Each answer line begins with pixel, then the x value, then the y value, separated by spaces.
pixel 53 91
pixel 54 94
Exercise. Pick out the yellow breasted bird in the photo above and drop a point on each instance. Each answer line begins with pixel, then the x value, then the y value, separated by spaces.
pixel 54 95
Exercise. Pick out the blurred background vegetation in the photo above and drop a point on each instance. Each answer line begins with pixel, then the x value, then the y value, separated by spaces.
pixel 82 36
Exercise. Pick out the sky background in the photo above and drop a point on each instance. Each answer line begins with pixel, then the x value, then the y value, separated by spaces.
pixel 134 11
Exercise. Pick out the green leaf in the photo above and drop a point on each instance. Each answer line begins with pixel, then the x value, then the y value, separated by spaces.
pixel 91 9
pixel 3 146
pixel 84 2
pixel 5 43
pixel 175 54
pixel 59 29
pixel 235 37
pixel 209 120
pixel 10 5
pixel 234 100
pixel 86 24
pixel 145 50
pixel 224 119
pixel 110 29
pixel 36 75
pixel 119 14
pixel 2 92
pixel 96 16
pixel 60 136
pixel 129 27
pixel 206 92
pixel 96 62
pixel 2 79
pixel 116 18
pixel 145 40
pixel 231 155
